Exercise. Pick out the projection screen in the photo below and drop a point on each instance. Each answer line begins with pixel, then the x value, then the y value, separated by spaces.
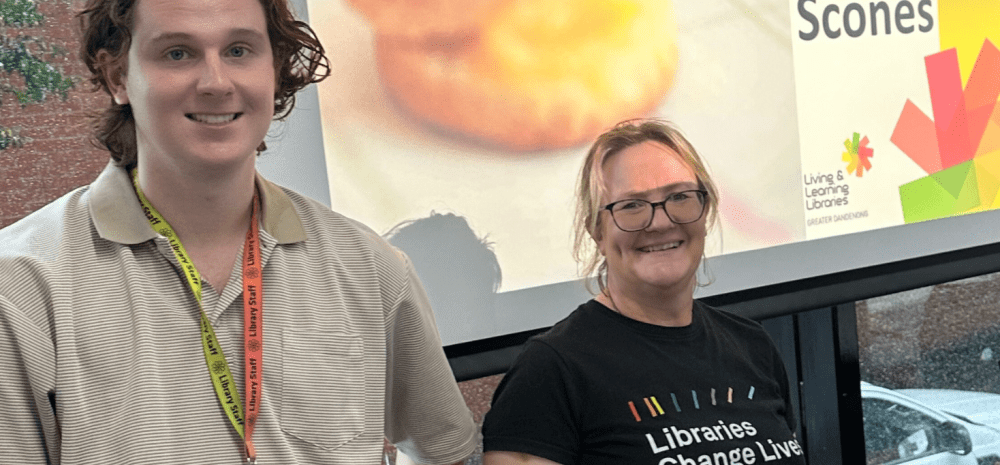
pixel 842 134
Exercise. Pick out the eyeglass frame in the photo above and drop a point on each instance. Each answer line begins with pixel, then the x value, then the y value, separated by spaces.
pixel 663 204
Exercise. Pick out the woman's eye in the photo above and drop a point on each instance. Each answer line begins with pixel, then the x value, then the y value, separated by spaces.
pixel 177 54
pixel 680 197
pixel 630 205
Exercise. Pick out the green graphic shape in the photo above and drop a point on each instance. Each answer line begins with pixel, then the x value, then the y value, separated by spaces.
pixel 949 192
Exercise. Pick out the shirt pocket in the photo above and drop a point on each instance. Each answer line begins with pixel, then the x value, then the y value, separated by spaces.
pixel 323 387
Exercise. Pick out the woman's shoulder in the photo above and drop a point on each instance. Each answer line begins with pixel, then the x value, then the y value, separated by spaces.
pixel 584 337
pixel 739 326
pixel 584 322
pixel 719 316
pixel 734 327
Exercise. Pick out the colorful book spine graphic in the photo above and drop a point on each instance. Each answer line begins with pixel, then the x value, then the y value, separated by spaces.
pixel 960 148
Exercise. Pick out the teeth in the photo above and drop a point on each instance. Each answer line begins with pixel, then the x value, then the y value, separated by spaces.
pixel 213 119
pixel 657 248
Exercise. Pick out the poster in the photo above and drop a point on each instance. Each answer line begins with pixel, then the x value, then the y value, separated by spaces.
pixel 458 132
pixel 897 108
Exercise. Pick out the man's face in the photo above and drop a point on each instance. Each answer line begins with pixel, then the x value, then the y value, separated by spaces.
pixel 200 80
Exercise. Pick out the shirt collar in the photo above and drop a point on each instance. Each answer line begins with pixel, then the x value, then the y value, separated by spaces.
pixel 118 216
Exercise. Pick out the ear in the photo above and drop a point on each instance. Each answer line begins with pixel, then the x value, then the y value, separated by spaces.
pixel 598 236
pixel 114 75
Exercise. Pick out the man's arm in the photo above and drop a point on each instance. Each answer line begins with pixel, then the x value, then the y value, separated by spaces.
pixel 29 431
pixel 426 416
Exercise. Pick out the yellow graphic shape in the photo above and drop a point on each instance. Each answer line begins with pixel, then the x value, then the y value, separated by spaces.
pixel 991 137
pixel 851 159
pixel 988 178
pixel 965 24
pixel 657 404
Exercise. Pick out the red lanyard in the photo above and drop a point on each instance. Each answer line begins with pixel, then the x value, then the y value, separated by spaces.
pixel 253 328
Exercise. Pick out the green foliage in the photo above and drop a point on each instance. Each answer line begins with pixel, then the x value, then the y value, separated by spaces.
pixel 26 55
pixel 19 13
pixel 11 137
pixel 40 78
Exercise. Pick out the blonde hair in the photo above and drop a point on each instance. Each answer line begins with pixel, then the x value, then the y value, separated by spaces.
pixel 590 188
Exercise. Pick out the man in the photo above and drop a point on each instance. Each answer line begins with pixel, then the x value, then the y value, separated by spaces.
pixel 127 306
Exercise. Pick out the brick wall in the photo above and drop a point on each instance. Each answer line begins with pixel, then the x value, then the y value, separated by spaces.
pixel 56 156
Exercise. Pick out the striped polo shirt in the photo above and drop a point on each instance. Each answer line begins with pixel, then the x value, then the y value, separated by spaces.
pixel 101 355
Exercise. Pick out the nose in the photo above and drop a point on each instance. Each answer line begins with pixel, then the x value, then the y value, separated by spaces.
pixel 660 218
pixel 215 79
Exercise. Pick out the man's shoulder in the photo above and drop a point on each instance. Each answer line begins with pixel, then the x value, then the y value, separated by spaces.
pixel 43 246
pixel 41 234
pixel 344 236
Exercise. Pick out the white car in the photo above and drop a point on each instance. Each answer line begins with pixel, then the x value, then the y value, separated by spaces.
pixel 929 426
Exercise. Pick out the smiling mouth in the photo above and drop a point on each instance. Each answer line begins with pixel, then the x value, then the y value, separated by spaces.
pixel 212 119
pixel 661 247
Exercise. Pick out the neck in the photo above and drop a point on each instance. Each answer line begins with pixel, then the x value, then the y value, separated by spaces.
pixel 658 307
pixel 205 207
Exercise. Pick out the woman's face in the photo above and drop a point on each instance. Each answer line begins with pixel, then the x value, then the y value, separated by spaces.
pixel 664 256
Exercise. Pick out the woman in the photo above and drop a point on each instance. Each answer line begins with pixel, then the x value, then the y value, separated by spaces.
pixel 643 373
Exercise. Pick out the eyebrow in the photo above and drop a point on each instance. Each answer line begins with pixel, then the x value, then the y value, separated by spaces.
pixel 667 187
pixel 183 36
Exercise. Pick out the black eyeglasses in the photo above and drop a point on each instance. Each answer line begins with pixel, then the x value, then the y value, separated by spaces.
pixel 683 207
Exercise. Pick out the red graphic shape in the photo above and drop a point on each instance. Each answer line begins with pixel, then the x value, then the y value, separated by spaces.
pixel 915 136
pixel 864 153
pixel 948 102
pixel 634 411
pixel 981 92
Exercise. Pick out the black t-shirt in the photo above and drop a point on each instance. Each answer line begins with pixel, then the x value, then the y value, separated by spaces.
pixel 600 388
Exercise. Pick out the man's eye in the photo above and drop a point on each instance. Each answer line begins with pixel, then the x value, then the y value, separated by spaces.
pixel 238 51
pixel 177 54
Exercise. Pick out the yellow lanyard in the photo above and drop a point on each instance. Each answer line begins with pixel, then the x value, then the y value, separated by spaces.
pixel 215 360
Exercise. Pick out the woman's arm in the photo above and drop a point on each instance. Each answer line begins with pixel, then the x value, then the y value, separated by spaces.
pixel 514 458
pixel 402 459
pixel 535 411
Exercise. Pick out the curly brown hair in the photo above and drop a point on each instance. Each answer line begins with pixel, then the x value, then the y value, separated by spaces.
pixel 106 26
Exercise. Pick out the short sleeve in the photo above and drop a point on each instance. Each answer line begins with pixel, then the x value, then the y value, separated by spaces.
pixel 535 408
pixel 426 416
pixel 781 375
pixel 29 432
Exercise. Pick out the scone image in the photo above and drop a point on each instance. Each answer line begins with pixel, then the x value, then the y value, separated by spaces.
pixel 417 20
pixel 540 74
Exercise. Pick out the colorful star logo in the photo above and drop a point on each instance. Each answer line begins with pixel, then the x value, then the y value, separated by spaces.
pixel 857 155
